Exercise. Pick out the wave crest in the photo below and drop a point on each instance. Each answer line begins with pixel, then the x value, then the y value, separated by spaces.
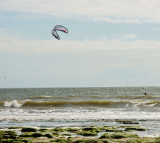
pixel 103 104
pixel 13 104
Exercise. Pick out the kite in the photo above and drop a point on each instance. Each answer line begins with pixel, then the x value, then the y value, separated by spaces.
pixel 59 28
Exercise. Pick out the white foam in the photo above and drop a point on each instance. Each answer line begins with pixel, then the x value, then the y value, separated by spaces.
pixel 71 114
pixel 12 104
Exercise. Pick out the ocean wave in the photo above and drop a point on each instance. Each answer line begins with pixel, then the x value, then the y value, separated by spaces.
pixel 103 104
pixel 14 104
pixel 79 115
pixel 98 96
pixel 41 97
pixel 134 97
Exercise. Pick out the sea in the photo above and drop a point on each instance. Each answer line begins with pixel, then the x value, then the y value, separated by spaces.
pixel 96 106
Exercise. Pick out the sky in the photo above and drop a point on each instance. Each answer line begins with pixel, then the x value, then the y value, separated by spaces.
pixel 111 43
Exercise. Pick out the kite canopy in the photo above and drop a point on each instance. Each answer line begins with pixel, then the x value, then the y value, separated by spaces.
pixel 59 28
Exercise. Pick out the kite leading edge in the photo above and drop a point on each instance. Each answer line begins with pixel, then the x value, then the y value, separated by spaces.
pixel 59 28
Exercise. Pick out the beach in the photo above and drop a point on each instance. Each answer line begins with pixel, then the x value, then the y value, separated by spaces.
pixel 84 71
pixel 94 134
pixel 129 112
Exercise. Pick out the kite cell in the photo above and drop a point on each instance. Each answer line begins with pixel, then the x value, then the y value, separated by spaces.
pixel 59 28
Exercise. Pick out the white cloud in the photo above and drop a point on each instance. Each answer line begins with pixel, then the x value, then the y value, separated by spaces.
pixel 130 36
pixel 124 37
pixel 78 63
pixel 156 29
pixel 13 42
pixel 100 10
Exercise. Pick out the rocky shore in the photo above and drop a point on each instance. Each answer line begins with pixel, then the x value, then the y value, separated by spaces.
pixel 92 134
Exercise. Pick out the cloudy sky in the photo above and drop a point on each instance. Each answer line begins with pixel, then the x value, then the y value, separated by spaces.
pixel 110 43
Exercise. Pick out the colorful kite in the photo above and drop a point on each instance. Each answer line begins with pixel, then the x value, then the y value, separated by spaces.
pixel 59 28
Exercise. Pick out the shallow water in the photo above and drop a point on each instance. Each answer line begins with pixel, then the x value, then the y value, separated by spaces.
pixel 79 106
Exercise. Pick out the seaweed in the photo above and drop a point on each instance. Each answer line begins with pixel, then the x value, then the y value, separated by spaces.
pixel 59 129
pixel 87 133
pixel 131 121
pixel 48 135
pixel 110 129
pixel 87 141
pixel 135 128
pixel 60 140
pixel 72 129
pixel 36 135
pixel 118 135
pixel 28 129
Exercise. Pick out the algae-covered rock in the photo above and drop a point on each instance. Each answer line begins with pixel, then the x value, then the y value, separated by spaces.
pixel 142 140
pixel 66 134
pixel 118 135
pixel 1 137
pixel 60 140
pixel 43 130
pixel 72 129
pixel 105 141
pixel 110 129
pixel 29 130
pixel 22 141
pixel 135 128
pixel 55 134
pixel 127 121
pixel 157 140
pixel 36 135
pixel 8 134
pixel 101 129
pixel 88 129
pixel 26 135
pixel 7 141
pixel 14 127
pixel 48 135
pixel 59 129
pixel 92 129
pixel 87 141
pixel 87 133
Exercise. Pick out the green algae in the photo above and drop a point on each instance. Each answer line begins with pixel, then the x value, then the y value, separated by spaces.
pixel 1 136
pixel 87 141
pixel 157 140
pixel 135 128
pixel 24 129
pixel 55 134
pixel 110 129
pixel 26 135
pixel 118 135
pixel 7 141
pixel 114 135
pixel 14 127
pixel 88 129
pixel 142 140
pixel 8 135
pixel 48 135
pixel 124 121
pixel 87 133
pixel 65 134
pixel 60 140
pixel 59 129
pixel 101 129
pixel 92 129
pixel 36 135
pixel 43 130
pixel 73 129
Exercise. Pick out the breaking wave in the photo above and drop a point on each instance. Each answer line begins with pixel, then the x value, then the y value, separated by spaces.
pixel 103 104
pixel 13 103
